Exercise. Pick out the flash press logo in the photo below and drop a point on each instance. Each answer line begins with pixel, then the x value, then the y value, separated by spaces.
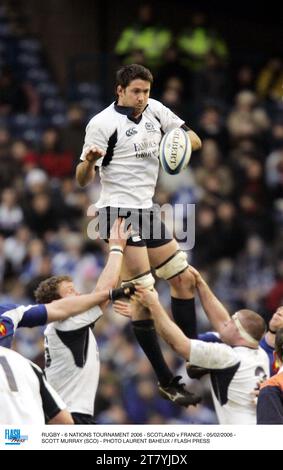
pixel 13 437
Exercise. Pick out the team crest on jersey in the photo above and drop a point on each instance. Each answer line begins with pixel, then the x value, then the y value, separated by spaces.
pixel 149 127
pixel 131 131
pixel 3 329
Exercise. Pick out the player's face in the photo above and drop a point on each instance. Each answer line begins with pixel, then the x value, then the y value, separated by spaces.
pixel 276 321
pixel 67 289
pixel 135 95
pixel 228 332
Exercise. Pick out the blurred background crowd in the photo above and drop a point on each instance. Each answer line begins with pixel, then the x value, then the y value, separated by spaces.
pixel 236 180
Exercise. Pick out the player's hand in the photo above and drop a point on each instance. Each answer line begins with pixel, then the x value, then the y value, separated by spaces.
pixel 94 153
pixel 146 297
pixel 196 274
pixel 118 234
pixel 256 390
pixel 123 308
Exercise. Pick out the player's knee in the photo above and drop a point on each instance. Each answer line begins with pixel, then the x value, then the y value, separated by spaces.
pixel 173 266
pixel 183 284
pixel 188 279
pixel 145 280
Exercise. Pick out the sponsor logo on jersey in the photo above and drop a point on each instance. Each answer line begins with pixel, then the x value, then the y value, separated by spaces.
pixel 131 131
pixel 13 437
pixel 146 149
pixel 3 329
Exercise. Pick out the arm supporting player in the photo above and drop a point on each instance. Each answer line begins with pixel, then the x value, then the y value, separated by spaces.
pixel 214 309
pixel 166 328
pixel 70 306
pixel 117 243
pixel 126 291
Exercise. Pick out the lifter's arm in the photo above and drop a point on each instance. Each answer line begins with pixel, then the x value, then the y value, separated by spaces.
pixel 109 277
pixel 165 327
pixel 62 309
pixel 214 309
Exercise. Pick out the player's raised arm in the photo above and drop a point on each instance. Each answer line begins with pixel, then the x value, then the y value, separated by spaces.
pixel 167 329
pixel 214 309
pixel 85 171
pixel 117 243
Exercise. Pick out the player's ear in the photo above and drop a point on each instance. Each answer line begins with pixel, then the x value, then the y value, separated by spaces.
pixel 119 90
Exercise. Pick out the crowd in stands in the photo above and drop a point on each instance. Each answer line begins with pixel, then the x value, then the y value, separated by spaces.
pixel 236 182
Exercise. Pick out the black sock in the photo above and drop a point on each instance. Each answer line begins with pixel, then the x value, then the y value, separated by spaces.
pixel 147 338
pixel 184 314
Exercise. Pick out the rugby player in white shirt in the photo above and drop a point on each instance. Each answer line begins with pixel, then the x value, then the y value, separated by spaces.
pixel 26 397
pixel 123 141
pixel 71 355
pixel 233 359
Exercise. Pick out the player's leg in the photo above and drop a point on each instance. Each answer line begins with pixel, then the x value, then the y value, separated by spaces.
pixel 170 263
pixel 136 268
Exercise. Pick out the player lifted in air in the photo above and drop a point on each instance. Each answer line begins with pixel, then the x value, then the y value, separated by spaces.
pixel 123 141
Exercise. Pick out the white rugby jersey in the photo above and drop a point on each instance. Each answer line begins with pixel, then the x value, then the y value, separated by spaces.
pixel 129 170
pixel 234 373
pixel 72 360
pixel 26 397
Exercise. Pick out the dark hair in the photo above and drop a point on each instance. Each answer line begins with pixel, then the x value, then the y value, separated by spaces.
pixel 128 73
pixel 279 343
pixel 47 291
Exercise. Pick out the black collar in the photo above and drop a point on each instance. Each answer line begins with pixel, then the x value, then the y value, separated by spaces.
pixel 128 111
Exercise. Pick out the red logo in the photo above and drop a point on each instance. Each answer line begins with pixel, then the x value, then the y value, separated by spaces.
pixel 3 329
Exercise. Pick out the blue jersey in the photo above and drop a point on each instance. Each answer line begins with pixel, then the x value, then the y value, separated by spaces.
pixel 13 316
pixel 269 351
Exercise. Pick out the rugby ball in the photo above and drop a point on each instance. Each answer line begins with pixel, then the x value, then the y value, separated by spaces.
pixel 175 151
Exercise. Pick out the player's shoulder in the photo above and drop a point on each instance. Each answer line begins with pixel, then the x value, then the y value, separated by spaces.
pixel 75 323
pixel 104 117
pixel 13 356
pixel 155 105
pixel 210 337
pixel 251 355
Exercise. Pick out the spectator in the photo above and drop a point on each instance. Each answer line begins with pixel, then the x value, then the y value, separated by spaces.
pixel 51 158
pixel 11 215
pixel 145 36
pixel 197 40
pixel 269 82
